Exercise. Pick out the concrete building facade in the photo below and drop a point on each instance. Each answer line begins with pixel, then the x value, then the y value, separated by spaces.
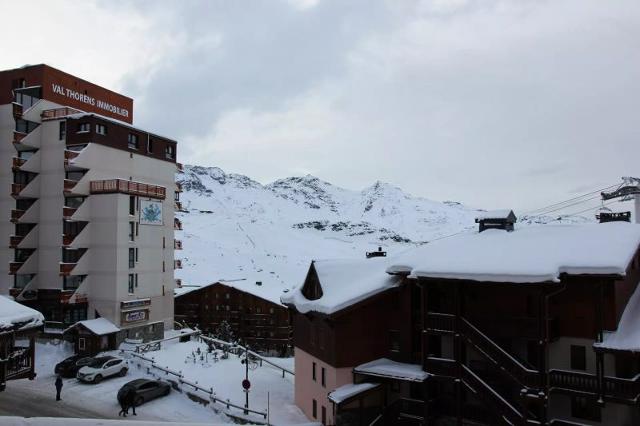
pixel 88 204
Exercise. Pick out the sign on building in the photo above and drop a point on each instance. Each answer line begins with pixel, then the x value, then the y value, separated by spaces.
pixel 150 212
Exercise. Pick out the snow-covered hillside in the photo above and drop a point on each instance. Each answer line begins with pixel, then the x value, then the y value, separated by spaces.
pixel 240 231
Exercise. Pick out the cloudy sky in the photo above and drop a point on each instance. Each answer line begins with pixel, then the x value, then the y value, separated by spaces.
pixel 493 103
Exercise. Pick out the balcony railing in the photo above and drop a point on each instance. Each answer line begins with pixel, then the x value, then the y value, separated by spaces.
pixel 177 224
pixel 178 205
pixel 16 189
pixel 67 212
pixel 17 110
pixel 14 267
pixel 177 264
pixel 14 240
pixel 16 214
pixel 19 363
pixel 69 155
pixel 440 323
pixel 69 184
pixel 52 114
pixel 17 163
pixel 113 186
pixel 178 187
pixel 66 268
pixel 177 245
pixel 614 387
pixel 15 291
pixel 67 239
pixel 18 136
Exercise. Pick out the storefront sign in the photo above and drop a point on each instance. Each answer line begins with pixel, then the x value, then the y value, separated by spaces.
pixel 89 100
pixel 135 316
pixel 150 212
pixel 129 304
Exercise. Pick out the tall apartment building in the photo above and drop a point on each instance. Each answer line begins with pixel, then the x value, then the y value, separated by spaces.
pixel 87 204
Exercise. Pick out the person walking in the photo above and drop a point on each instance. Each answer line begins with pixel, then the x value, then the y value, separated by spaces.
pixel 123 407
pixel 130 401
pixel 58 387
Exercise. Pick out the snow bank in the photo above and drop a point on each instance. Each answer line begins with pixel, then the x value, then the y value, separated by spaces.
pixel 53 421
pixel 15 315
pixel 384 367
pixel 349 390
pixel 530 254
pixel 344 283
pixel 627 337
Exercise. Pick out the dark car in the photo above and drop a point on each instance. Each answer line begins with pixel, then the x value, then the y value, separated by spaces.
pixel 70 366
pixel 145 390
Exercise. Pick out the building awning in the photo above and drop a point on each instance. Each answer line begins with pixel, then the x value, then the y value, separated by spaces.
pixel 98 326
pixel 349 391
pixel 387 368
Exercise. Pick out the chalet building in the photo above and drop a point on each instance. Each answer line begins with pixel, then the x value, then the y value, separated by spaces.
pixel 88 204
pixel 18 327
pixel 253 311
pixel 534 326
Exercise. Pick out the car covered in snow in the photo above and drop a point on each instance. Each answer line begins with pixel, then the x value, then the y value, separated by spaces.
pixel 144 390
pixel 102 367
pixel 69 367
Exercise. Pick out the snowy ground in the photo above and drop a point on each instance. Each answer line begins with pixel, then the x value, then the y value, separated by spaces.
pixel 100 400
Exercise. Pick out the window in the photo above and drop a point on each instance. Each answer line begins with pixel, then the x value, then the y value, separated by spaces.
pixel 62 130
pixel 169 152
pixel 132 258
pixel 150 145
pixel 136 278
pixel 131 283
pixel 84 128
pixel 578 357
pixel 132 227
pixel 136 255
pixel 226 296
pixel 314 409
pixel 583 408
pixel 132 141
pixel 132 205
pixel 313 371
pixel 394 340
pixel 101 129
pixel 81 344
pixel 323 377
pixel 324 415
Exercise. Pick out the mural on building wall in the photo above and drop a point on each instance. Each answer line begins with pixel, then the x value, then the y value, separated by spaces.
pixel 150 212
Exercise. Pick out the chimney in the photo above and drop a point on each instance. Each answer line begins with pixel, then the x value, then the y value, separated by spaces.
pixel 378 253
pixel 496 219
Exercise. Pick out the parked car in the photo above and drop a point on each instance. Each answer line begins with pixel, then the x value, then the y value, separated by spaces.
pixel 145 390
pixel 101 368
pixel 69 367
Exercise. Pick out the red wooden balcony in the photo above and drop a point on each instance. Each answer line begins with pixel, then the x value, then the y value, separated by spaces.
pixel 14 240
pixel 67 212
pixel 18 136
pixel 69 155
pixel 16 214
pixel 69 184
pixel 177 245
pixel 15 291
pixel 67 296
pixel 178 187
pixel 14 267
pixel 114 186
pixel 52 114
pixel 17 163
pixel 67 239
pixel 16 189
pixel 177 224
pixel 17 110
pixel 177 264
pixel 81 298
pixel 66 268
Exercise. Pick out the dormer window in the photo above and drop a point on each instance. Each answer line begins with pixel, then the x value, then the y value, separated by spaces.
pixel 133 141
pixel 84 128
pixel 101 129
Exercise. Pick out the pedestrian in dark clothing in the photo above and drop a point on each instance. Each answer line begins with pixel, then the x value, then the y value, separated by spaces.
pixel 130 400
pixel 123 408
pixel 58 387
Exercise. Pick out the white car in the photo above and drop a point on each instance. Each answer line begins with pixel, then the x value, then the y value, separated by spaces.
pixel 102 367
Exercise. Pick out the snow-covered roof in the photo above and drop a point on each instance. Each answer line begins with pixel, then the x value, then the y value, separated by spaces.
pixel 528 254
pixel 349 390
pixel 384 367
pixel 344 283
pixel 627 337
pixel 98 326
pixel 494 214
pixel 14 315
pixel 268 290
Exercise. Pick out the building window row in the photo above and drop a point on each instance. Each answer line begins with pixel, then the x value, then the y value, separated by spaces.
pixel 133 283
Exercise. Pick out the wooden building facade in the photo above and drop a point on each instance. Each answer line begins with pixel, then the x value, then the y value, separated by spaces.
pixel 262 324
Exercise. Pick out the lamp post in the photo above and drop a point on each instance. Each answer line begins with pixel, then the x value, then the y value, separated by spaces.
pixel 246 384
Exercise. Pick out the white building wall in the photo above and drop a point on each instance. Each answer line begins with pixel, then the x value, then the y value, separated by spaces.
pixel 7 125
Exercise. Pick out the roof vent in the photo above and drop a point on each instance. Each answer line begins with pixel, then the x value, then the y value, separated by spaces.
pixel 605 216
pixel 378 253
pixel 496 219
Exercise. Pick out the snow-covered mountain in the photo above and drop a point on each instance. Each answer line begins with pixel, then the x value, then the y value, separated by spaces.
pixel 240 231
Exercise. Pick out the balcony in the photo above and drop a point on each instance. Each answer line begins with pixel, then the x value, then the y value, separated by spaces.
pixel 15 291
pixel 69 155
pixel 17 163
pixel 14 240
pixel 177 264
pixel 14 267
pixel 177 245
pixel 67 212
pixel 581 383
pixel 16 189
pixel 52 114
pixel 178 187
pixel 17 110
pixel 67 239
pixel 179 167
pixel 18 136
pixel 69 184
pixel 16 214
pixel 114 186
pixel 440 323
pixel 66 268
pixel 177 225
pixel 19 363
pixel 178 206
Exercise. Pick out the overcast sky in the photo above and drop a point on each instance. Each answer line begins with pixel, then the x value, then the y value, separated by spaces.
pixel 492 103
